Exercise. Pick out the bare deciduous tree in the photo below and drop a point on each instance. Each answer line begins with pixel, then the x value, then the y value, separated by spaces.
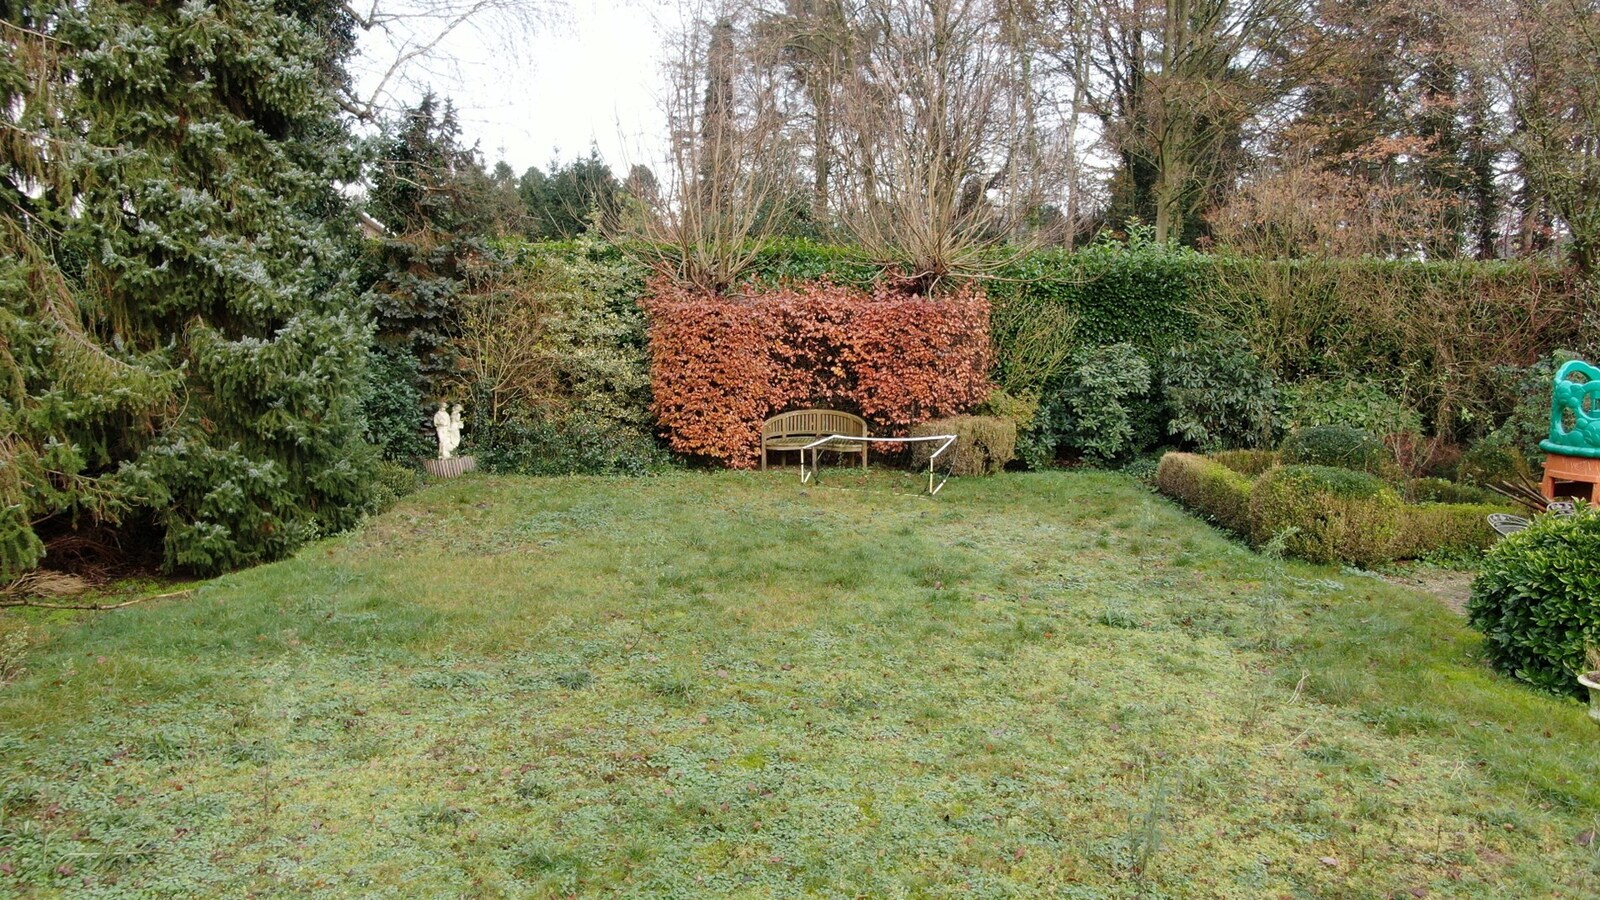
pixel 1303 208
pixel 943 156
pixel 504 322
pixel 1178 86
pixel 399 37
pixel 1552 72
pixel 726 159
pixel 815 43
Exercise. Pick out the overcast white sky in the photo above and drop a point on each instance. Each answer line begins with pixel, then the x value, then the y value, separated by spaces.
pixel 588 78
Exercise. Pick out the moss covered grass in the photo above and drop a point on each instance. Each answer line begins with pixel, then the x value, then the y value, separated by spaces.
pixel 727 685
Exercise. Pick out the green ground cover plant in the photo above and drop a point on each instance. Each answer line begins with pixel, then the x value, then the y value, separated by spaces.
pixel 730 685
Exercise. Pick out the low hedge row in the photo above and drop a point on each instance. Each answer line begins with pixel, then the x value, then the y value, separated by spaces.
pixel 1320 513
pixel 1207 486
pixel 1447 528
pixel 1325 514
pixel 1247 462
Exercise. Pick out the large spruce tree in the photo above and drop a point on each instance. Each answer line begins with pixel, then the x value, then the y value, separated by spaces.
pixel 180 349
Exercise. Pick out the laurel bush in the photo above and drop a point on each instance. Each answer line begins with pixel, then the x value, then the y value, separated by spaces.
pixel 1534 600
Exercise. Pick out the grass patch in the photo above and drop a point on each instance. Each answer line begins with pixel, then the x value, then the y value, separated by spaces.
pixel 728 684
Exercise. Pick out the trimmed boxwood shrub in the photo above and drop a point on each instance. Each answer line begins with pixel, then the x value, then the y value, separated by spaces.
pixel 1441 490
pixel 1448 528
pixel 984 444
pixel 1208 487
pixel 1247 462
pixel 1537 600
pixel 1335 445
pixel 1326 514
pixel 392 483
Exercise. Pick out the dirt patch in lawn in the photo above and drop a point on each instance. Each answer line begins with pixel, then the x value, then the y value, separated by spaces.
pixel 1452 586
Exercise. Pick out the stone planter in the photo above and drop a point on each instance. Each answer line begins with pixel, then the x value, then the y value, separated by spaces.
pixel 1591 681
pixel 450 468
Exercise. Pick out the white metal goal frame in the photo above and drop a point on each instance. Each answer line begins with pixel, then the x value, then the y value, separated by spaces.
pixel 816 447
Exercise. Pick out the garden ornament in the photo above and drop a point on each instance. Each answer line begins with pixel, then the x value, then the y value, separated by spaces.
pixel 448 428
pixel 1507 524
pixel 1574 416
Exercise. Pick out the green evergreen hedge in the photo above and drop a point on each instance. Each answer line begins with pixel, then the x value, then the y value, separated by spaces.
pixel 1320 513
pixel 1448 528
pixel 1249 463
pixel 1325 514
pixel 1208 487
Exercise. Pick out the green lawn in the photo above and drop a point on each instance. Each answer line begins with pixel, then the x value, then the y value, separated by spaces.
pixel 712 685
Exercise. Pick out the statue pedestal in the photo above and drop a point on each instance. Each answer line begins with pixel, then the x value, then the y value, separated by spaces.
pixel 1568 477
pixel 450 468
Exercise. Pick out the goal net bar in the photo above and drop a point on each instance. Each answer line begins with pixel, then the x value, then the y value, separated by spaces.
pixel 944 441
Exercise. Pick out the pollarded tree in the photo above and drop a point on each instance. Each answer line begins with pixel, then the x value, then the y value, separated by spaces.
pixel 179 346
pixel 941 156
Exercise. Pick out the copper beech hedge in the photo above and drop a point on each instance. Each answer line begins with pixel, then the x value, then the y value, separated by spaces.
pixel 720 366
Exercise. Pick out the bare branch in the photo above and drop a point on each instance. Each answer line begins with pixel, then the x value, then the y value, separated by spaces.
pixel 401 35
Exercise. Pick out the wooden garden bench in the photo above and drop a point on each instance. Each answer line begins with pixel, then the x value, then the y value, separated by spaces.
pixel 794 429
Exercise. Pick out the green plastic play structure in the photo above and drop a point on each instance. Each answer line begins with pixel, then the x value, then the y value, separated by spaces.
pixel 1575 412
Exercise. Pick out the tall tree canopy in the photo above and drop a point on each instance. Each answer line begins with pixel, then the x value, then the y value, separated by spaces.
pixel 179 344
pixel 1469 124
pixel 560 202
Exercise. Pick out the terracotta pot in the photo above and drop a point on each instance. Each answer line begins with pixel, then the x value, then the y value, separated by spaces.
pixel 450 468
pixel 1591 681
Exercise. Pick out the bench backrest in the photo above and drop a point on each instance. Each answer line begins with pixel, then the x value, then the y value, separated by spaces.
pixel 813 422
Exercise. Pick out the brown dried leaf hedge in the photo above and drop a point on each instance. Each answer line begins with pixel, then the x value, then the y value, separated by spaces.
pixel 720 365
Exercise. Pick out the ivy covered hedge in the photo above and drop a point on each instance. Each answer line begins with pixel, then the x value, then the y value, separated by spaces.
pixel 1438 336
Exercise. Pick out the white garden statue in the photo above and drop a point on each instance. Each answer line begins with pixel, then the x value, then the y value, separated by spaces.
pixel 448 427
